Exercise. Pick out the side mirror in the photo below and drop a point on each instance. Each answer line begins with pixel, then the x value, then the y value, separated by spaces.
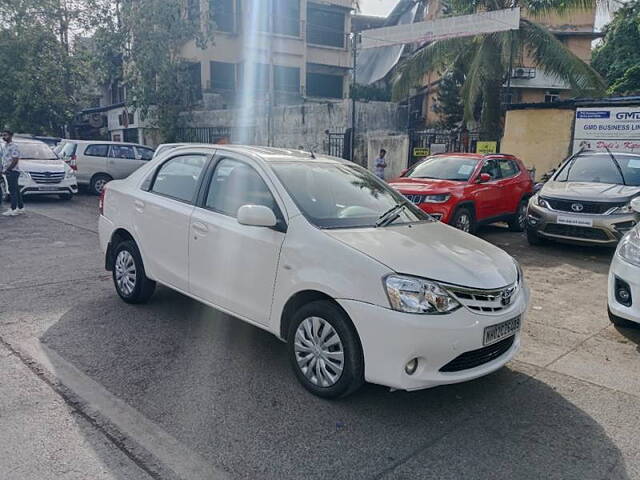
pixel 256 216
pixel 635 204
pixel 404 172
pixel 484 178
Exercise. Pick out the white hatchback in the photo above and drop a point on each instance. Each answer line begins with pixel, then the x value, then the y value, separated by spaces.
pixel 360 283
pixel 624 278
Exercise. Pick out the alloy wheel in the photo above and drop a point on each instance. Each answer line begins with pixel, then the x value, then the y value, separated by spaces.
pixel 522 215
pixel 463 223
pixel 99 185
pixel 319 352
pixel 125 269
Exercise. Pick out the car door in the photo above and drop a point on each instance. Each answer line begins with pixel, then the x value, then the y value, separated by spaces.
pixel 232 265
pixel 122 161
pixel 91 160
pixel 512 186
pixel 162 215
pixel 488 195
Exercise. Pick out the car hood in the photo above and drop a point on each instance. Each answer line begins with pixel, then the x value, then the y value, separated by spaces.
pixel 589 191
pixel 41 165
pixel 433 250
pixel 423 185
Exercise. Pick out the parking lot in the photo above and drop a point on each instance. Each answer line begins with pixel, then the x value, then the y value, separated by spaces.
pixel 174 389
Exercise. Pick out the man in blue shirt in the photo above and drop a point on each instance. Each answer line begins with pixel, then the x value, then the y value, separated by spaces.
pixel 10 169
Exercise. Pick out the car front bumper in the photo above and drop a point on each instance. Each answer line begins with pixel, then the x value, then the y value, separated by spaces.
pixel 630 275
pixel 605 230
pixel 29 187
pixel 391 339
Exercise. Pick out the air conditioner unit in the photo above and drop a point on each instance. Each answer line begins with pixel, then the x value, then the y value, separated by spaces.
pixel 523 72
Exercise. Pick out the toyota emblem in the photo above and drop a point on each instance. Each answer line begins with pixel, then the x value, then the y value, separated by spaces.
pixel 506 296
pixel 577 207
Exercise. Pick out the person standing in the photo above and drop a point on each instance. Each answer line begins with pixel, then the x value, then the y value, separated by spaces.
pixel 381 164
pixel 11 171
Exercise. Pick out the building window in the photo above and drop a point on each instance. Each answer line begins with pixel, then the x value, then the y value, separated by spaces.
pixel 286 79
pixel 117 93
pixel 190 79
pixel 223 76
pixel 551 96
pixel 121 119
pixel 325 26
pixel 324 85
pixel 278 16
pixel 223 14
pixel 261 73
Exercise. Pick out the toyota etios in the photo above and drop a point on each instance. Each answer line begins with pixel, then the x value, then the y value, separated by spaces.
pixel 360 283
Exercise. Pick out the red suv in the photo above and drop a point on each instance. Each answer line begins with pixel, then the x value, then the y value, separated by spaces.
pixel 469 189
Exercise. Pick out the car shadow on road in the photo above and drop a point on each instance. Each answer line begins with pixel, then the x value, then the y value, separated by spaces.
pixel 631 333
pixel 225 389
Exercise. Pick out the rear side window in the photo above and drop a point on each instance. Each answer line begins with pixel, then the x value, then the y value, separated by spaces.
pixel 145 153
pixel 178 177
pixel 122 151
pixel 97 150
pixel 508 168
pixel 235 184
pixel 68 149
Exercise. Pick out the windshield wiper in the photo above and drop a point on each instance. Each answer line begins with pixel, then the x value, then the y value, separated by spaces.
pixel 390 215
pixel 624 182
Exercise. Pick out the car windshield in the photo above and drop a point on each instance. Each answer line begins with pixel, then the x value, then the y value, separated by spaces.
pixel 333 195
pixel 600 168
pixel 444 168
pixel 36 151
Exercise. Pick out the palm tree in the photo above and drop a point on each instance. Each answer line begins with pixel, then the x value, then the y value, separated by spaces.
pixel 485 58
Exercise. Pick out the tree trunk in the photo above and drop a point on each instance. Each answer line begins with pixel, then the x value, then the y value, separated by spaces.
pixel 490 122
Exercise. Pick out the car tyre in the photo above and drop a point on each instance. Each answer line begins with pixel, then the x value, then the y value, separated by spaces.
pixel 65 196
pixel 98 182
pixel 621 322
pixel 129 276
pixel 340 348
pixel 464 220
pixel 533 238
pixel 518 222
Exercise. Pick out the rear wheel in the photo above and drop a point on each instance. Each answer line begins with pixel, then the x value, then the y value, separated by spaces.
pixel 324 350
pixel 518 222
pixel 463 220
pixel 621 322
pixel 129 276
pixel 98 182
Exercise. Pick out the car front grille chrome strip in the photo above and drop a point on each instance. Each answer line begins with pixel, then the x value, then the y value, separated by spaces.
pixel 486 301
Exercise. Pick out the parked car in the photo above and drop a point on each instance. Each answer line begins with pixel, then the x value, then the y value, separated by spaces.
pixel 98 162
pixel 52 142
pixel 165 147
pixel 587 201
pixel 42 172
pixel 360 283
pixel 467 189
pixel 624 278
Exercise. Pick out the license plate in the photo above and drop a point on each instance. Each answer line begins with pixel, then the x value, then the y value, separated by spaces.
pixel 577 221
pixel 500 331
pixel 48 189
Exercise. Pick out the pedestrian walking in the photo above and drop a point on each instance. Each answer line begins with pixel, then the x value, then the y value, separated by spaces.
pixel 381 164
pixel 11 171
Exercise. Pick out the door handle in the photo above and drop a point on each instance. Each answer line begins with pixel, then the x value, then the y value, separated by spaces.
pixel 201 228
pixel 139 206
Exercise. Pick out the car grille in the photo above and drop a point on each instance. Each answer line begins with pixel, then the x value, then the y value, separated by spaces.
pixel 479 357
pixel 417 199
pixel 598 208
pixel 47 177
pixel 486 301
pixel 574 231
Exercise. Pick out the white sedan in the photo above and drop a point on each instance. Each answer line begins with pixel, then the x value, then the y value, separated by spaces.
pixel 360 283
pixel 624 278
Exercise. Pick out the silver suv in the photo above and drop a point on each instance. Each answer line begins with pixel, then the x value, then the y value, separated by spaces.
pixel 587 201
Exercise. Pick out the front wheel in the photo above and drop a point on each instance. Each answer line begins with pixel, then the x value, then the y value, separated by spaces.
pixel 129 277
pixel 463 220
pixel 518 222
pixel 324 350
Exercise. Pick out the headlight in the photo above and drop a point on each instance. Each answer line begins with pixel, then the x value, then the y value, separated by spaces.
pixel 415 295
pixel 519 272
pixel 629 247
pixel 621 210
pixel 541 202
pixel 24 177
pixel 436 198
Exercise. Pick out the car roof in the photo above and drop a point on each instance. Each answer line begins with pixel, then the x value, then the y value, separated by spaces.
pixel 106 142
pixel 594 152
pixel 28 140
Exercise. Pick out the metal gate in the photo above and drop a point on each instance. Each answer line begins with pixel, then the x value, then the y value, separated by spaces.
pixel 338 144
pixel 422 142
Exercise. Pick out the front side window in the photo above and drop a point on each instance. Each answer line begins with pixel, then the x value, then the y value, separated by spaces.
pixel 492 168
pixel 178 177
pixel 97 150
pixel 445 168
pixel 235 184
pixel 335 195
pixel 601 168
pixel 122 151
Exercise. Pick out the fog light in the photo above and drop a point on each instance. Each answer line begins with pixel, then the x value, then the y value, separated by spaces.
pixel 532 220
pixel 624 295
pixel 623 292
pixel 411 366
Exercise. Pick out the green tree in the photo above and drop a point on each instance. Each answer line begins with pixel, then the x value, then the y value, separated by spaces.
pixel 618 57
pixel 486 58
pixel 448 103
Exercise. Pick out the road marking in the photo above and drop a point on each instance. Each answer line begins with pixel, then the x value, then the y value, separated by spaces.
pixel 174 455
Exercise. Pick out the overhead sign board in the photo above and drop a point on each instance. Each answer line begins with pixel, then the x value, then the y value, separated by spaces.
pixel 441 28
pixel 615 128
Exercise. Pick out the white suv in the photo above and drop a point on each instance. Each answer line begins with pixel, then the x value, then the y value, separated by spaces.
pixel 97 162
pixel 360 283
pixel 42 172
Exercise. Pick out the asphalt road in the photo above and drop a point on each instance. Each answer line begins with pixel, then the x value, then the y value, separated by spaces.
pixel 183 391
